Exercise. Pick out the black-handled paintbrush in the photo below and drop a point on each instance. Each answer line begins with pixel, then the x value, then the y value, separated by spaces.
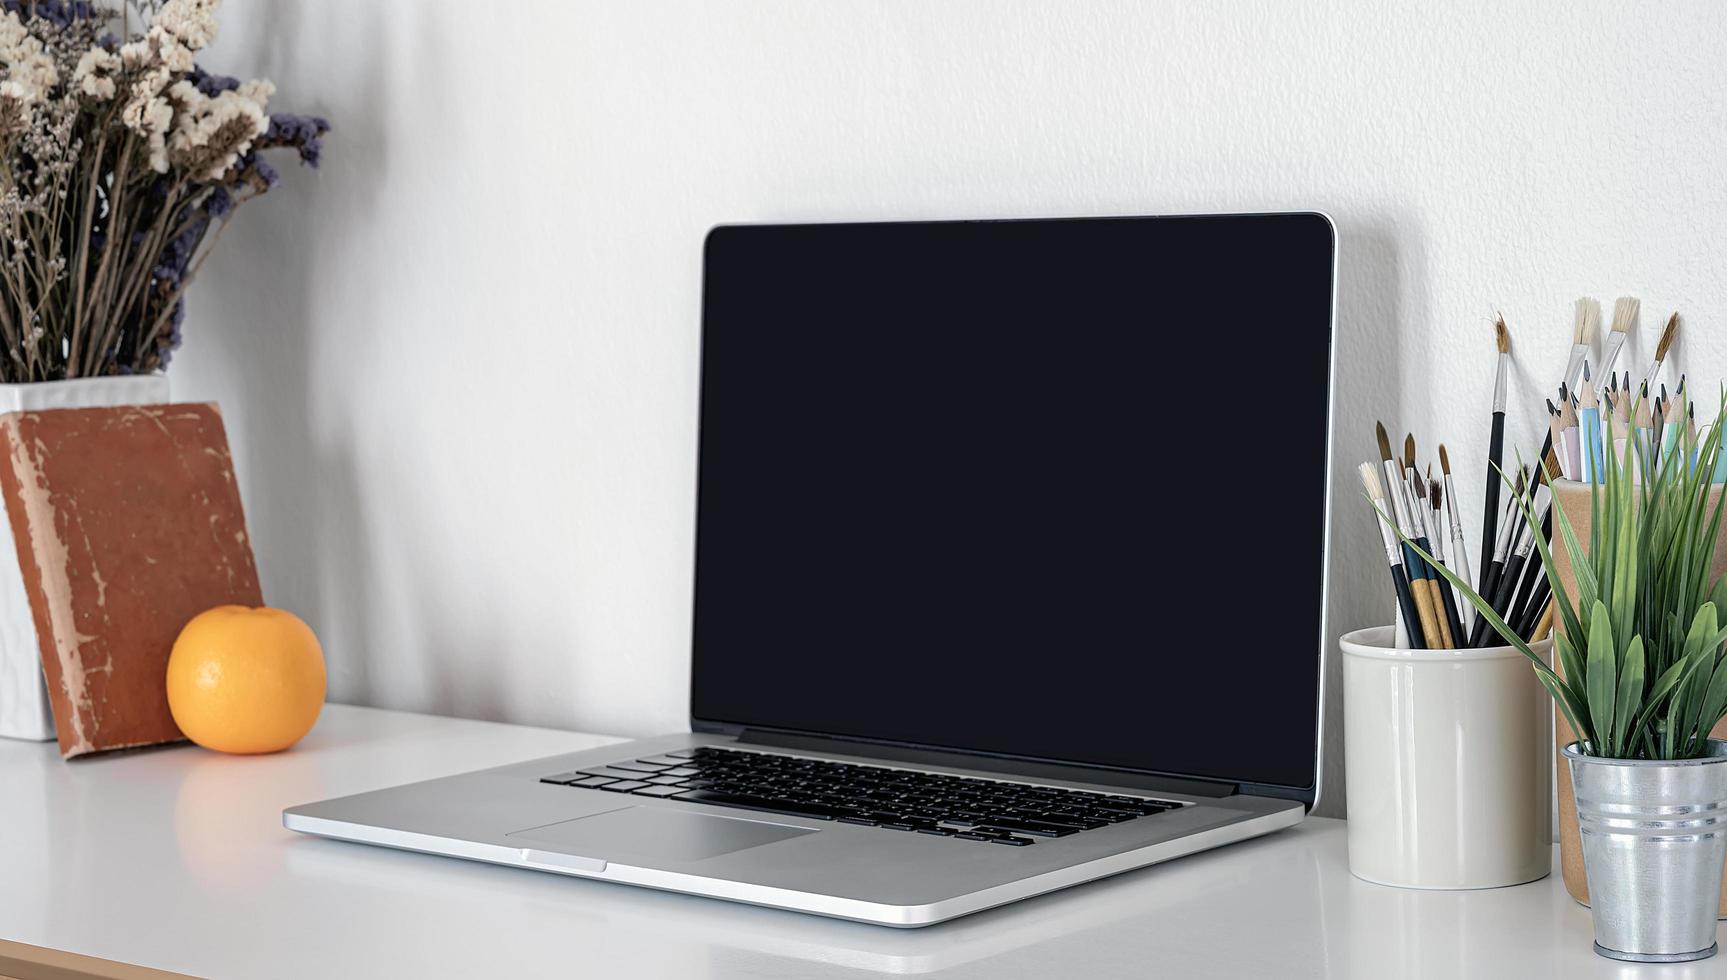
pixel 1371 483
pixel 1512 575
pixel 1533 573
pixel 1509 523
pixel 1495 450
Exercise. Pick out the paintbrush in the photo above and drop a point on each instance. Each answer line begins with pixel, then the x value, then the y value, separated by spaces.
pixel 1624 317
pixel 1509 523
pixel 1543 624
pixel 1495 447
pixel 1511 577
pixel 1409 625
pixel 1588 316
pixel 1532 574
pixel 1459 556
pixel 1668 333
pixel 1436 533
pixel 1427 588
pixel 1397 491
pixel 1418 500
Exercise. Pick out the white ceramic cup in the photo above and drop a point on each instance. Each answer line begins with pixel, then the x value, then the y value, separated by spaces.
pixel 1449 763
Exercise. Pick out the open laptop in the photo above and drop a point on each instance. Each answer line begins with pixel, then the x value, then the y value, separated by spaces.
pixel 1009 575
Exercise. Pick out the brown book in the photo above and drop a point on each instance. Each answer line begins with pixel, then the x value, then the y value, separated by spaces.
pixel 127 523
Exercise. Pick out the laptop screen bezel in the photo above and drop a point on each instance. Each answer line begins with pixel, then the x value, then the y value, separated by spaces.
pixel 1306 793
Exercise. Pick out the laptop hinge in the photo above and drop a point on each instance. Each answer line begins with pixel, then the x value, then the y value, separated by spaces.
pixel 985 763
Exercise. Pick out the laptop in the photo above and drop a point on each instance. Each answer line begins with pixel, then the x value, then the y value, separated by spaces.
pixel 1009 575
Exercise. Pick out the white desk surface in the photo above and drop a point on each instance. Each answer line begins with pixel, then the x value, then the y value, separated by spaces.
pixel 176 859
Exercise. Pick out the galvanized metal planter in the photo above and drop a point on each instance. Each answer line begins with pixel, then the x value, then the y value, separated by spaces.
pixel 1654 839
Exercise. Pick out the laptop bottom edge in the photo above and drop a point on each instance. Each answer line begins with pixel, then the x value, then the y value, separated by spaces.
pixel 874 913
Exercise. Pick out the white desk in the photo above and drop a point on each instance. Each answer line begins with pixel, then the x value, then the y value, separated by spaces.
pixel 176 859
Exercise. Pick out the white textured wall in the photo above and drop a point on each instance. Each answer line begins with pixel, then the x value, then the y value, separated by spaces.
pixel 459 364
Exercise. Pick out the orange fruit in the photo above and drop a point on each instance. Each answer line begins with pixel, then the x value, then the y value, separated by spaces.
pixel 246 680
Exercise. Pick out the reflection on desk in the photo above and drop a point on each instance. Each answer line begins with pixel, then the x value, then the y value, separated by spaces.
pixel 176 859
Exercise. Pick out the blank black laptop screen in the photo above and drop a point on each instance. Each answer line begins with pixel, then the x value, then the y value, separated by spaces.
pixel 1042 489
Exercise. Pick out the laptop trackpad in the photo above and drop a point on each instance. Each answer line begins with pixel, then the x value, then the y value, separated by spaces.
pixel 651 832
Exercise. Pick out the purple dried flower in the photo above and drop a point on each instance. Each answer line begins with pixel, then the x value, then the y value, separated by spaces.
pixel 218 202
pixel 303 133
pixel 210 84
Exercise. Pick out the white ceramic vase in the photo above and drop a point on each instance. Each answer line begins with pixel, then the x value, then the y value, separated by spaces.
pixel 24 711
pixel 1447 763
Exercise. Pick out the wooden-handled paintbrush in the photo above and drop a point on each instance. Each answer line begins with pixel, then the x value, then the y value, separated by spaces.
pixel 1419 512
pixel 1436 529
pixel 1668 334
pixel 1495 449
pixel 1397 491
pixel 1411 637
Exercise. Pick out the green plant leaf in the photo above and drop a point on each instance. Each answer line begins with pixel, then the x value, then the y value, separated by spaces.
pixel 1602 677
pixel 1630 692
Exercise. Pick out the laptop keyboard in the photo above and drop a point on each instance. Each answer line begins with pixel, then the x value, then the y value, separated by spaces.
pixel 962 807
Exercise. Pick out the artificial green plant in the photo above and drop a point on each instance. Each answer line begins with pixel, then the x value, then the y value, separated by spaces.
pixel 1641 640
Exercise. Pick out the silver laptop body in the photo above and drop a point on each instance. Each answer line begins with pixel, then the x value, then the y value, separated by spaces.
pixel 642 812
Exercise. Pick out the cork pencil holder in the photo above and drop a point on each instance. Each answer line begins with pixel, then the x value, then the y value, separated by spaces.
pixel 1573 498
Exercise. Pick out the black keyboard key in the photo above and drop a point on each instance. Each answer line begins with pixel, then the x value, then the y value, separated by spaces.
pixel 1032 827
pixel 860 821
pixel 814 811
pixel 968 835
pixel 681 771
pixel 591 782
pixel 1012 841
pixel 899 825
pixel 641 766
pixel 659 791
pixel 937 831
pixel 562 777
pixel 623 786
pixel 611 773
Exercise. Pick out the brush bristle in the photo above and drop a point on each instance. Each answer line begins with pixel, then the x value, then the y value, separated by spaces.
pixel 1624 313
pixel 1444 460
pixel 1370 481
pixel 1550 467
pixel 1667 335
pixel 1384 441
pixel 1502 336
pixel 1437 491
pixel 1420 487
pixel 1588 316
pixel 1409 449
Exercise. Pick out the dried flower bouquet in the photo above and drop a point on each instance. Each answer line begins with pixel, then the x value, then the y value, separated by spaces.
pixel 119 157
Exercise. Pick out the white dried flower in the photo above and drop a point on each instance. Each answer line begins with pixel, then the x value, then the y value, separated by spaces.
pixel 191 22
pixel 95 73
pixel 211 133
pixel 29 67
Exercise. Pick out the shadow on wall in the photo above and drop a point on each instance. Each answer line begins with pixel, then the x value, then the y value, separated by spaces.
pixel 255 325
pixel 1370 308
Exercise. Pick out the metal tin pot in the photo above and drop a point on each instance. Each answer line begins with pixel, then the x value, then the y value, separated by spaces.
pixel 1654 840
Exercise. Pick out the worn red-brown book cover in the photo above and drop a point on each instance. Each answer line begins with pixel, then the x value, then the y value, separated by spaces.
pixel 127 523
